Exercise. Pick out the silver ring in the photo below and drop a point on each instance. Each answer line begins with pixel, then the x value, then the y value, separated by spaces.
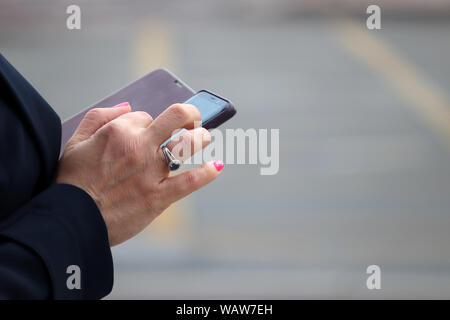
pixel 172 162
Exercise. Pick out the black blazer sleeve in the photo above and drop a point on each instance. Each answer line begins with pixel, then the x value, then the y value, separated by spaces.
pixel 44 228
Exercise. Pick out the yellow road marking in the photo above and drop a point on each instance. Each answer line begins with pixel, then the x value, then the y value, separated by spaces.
pixel 414 88
pixel 152 49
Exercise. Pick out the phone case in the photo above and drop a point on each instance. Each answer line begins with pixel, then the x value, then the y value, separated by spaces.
pixel 152 93
pixel 222 117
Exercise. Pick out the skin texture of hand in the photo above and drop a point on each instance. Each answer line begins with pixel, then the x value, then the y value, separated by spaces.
pixel 114 156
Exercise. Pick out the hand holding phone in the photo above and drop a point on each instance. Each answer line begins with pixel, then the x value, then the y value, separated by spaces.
pixel 214 111
pixel 155 92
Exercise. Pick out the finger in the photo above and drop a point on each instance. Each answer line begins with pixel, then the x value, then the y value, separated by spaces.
pixel 177 116
pixel 96 118
pixel 137 118
pixel 189 142
pixel 185 183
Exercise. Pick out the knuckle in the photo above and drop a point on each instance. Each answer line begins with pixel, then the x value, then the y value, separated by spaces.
pixel 112 128
pixel 94 113
pixel 194 112
pixel 191 179
pixel 144 115
pixel 179 111
pixel 185 112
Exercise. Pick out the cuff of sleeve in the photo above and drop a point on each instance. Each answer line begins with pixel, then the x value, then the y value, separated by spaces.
pixel 65 228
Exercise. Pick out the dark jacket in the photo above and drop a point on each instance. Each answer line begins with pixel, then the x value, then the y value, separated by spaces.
pixel 44 227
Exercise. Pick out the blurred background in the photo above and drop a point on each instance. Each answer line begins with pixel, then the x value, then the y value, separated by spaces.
pixel 364 119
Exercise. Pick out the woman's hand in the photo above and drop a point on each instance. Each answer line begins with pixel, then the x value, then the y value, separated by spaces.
pixel 114 156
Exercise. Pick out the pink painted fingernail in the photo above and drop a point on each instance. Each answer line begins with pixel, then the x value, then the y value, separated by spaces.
pixel 123 104
pixel 219 165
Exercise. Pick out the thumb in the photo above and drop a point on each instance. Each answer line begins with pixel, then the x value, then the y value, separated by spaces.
pixel 97 118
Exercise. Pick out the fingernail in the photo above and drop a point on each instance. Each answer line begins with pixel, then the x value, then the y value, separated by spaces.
pixel 123 104
pixel 219 165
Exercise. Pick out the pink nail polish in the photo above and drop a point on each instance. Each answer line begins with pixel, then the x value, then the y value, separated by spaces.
pixel 219 165
pixel 123 104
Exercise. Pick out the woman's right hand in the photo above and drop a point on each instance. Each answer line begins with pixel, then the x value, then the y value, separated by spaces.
pixel 114 156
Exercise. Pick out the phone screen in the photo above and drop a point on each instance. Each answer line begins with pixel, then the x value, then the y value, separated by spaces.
pixel 208 104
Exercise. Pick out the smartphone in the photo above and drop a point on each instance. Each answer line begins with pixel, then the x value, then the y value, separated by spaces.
pixel 152 93
pixel 155 92
pixel 214 109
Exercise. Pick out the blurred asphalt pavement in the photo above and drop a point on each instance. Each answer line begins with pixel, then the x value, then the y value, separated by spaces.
pixel 364 141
